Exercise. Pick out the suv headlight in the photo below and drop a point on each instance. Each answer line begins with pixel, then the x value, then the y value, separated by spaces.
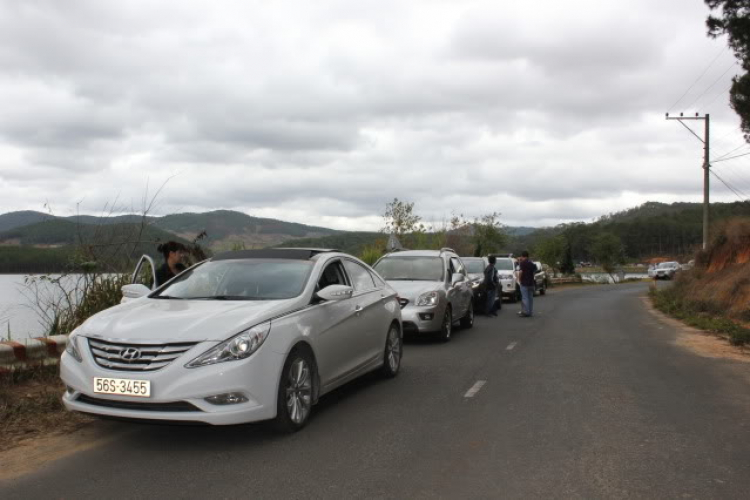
pixel 241 346
pixel 428 299
pixel 72 347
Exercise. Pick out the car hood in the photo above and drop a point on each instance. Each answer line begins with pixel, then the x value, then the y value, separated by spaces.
pixel 412 289
pixel 181 320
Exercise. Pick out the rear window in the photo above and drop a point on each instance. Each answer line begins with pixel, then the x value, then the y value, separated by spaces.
pixel 411 268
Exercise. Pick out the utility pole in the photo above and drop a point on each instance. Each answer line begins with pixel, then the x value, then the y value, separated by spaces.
pixel 706 164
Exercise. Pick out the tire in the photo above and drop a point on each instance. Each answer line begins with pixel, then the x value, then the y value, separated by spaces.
pixel 468 320
pixel 446 328
pixel 296 389
pixel 394 349
pixel 543 290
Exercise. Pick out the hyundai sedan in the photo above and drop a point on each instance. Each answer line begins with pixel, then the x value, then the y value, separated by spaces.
pixel 245 336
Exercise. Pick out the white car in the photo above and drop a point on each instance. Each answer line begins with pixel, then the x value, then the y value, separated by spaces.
pixel 245 336
pixel 506 273
pixel 665 270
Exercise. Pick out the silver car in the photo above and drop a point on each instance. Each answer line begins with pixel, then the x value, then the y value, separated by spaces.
pixel 506 273
pixel 434 288
pixel 245 336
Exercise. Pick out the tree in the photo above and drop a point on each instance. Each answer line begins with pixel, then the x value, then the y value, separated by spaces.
pixel 735 23
pixel 489 236
pixel 568 266
pixel 608 252
pixel 552 251
pixel 400 218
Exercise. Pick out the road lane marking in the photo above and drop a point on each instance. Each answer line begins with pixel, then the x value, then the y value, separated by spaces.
pixel 475 388
pixel 511 346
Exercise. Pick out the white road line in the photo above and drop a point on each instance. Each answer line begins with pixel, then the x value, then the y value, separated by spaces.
pixel 511 346
pixel 475 388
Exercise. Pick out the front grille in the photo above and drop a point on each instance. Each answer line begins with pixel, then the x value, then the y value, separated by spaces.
pixel 177 406
pixel 150 356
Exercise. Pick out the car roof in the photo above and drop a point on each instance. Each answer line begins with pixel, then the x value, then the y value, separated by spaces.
pixel 416 253
pixel 274 253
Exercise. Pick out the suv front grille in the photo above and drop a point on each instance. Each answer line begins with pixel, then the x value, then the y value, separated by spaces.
pixel 136 357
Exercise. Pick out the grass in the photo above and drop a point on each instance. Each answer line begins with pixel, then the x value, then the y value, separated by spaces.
pixel 702 315
pixel 30 405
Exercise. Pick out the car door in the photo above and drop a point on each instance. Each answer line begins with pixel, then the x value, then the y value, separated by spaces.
pixel 372 317
pixel 462 289
pixel 334 323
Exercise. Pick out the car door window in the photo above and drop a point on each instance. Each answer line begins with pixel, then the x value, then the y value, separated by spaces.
pixel 457 266
pixel 361 278
pixel 333 274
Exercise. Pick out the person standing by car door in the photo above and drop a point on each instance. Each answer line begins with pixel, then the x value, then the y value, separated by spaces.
pixel 491 282
pixel 174 253
pixel 527 270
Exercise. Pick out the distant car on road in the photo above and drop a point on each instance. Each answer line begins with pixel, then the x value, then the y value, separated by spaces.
pixel 245 336
pixel 434 288
pixel 506 272
pixel 665 270
pixel 541 281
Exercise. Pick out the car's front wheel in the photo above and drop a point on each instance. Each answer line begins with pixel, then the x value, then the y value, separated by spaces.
pixel 394 348
pixel 446 328
pixel 295 398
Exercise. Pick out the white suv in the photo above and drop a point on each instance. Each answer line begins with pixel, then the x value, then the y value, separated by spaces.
pixel 506 267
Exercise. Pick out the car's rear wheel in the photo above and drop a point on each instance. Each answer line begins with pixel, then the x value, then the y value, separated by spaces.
pixel 394 348
pixel 543 290
pixel 295 397
pixel 446 329
pixel 468 320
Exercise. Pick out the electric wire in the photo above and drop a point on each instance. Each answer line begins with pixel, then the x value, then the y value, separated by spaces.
pixel 744 144
pixel 737 193
pixel 698 79
pixel 731 157
pixel 711 86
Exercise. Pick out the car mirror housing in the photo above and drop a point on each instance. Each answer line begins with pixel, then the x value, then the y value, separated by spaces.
pixel 135 291
pixel 335 292
pixel 457 278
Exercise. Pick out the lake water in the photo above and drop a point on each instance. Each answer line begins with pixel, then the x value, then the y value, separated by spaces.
pixel 16 312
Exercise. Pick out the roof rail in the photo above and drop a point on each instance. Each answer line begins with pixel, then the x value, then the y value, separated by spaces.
pixel 446 249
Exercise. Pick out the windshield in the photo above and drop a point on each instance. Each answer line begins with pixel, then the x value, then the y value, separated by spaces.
pixel 666 265
pixel 505 265
pixel 411 268
pixel 250 279
pixel 474 266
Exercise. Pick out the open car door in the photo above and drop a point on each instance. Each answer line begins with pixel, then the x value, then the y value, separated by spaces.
pixel 142 281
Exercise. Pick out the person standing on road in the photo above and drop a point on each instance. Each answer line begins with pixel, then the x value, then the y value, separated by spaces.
pixel 526 271
pixel 491 282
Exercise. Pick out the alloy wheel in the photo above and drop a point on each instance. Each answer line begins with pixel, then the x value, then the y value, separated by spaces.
pixel 394 349
pixel 299 391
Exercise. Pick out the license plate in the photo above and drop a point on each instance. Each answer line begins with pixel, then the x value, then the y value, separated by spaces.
pixel 122 387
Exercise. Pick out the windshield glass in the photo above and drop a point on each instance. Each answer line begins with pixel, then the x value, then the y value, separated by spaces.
pixel 505 265
pixel 666 265
pixel 411 268
pixel 474 266
pixel 249 279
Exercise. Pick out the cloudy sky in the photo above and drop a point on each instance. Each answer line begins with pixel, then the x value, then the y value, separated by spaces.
pixel 321 112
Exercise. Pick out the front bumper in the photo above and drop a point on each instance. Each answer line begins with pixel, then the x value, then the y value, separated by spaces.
pixel 507 287
pixel 422 319
pixel 256 378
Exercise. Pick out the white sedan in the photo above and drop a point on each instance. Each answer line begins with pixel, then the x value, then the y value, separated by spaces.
pixel 246 336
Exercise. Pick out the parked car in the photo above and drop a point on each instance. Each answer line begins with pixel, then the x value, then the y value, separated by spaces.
pixel 540 278
pixel 506 272
pixel 665 270
pixel 475 267
pixel 245 336
pixel 434 288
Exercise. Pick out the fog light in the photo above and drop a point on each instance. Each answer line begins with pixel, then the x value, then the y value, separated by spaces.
pixel 426 316
pixel 231 398
pixel 69 389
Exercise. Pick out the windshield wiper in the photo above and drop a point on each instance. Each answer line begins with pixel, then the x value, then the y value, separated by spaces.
pixel 168 297
pixel 225 297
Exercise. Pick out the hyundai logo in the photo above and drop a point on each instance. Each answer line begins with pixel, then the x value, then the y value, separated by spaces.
pixel 130 354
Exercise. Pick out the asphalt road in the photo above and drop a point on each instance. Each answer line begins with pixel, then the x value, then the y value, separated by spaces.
pixel 589 399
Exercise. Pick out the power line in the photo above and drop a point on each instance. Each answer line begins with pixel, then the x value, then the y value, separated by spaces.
pixel 744 143
pixel 718 95
pixel 699 77
pixel 737 193
pixel 712 85
pixel 731 157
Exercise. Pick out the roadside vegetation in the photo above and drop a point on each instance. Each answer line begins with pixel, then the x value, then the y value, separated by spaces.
pixel 715 295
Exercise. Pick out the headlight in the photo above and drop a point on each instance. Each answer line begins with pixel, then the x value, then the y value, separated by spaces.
pixel 476 284
pixel 241 346
pixel 428 299
pixel 72 347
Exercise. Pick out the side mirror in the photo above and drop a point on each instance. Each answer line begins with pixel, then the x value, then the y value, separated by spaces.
pixel 135 291
pixel 457 278
pixel 335 292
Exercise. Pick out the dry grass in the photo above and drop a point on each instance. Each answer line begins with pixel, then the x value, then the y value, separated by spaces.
pixel 30 406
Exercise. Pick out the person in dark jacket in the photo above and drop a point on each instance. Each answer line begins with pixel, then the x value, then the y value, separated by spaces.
pixel 526 271
pixel 490 286
pixel 174 253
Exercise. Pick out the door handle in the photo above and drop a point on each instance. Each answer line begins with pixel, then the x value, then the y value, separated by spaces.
pixel 357 309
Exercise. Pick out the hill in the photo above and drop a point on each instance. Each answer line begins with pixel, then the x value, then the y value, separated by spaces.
pixel 351 242
pixel 12 220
